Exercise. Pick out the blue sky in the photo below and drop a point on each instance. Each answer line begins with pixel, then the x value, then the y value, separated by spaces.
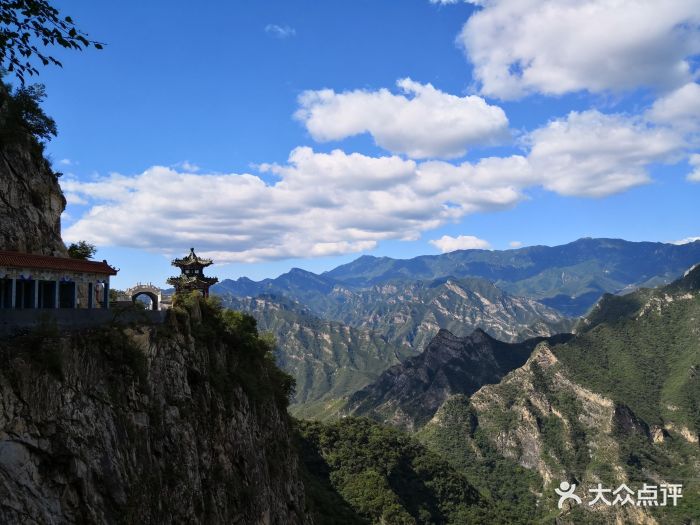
pixel 273 134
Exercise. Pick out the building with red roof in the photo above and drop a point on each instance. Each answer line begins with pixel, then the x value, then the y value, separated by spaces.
pixel 42 281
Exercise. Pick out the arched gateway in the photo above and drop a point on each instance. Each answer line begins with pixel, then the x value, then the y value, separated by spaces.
pixel 149 290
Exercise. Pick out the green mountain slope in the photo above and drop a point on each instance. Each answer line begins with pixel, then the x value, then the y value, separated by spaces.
pixel 360 472
pixel 329 360
pixel 619 402
pixel 408 394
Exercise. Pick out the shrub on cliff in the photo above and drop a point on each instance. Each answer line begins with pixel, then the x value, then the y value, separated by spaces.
pixel 21 115
pixel 249 361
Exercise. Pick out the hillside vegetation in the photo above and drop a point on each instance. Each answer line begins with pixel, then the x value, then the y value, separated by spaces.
pixel 361 472
pixel 328 359
pixel 616 403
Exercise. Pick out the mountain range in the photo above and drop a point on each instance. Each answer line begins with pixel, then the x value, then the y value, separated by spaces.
pixel 382 326
pixel 619 402
pixel 338 331
pixel 569 278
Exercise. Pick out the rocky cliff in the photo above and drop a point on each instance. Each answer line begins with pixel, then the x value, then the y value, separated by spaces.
pixel 179 423
pixel 31 202
pixel 408 394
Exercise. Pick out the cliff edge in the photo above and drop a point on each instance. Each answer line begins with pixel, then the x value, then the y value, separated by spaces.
pixel 178 423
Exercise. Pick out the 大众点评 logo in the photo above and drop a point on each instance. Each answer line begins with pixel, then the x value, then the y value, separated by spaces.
pixel 648 496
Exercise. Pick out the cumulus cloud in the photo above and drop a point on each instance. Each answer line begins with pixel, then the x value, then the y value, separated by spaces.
pixel 322 204
pixel 462 242
pixel 420 122
pixel 281 32
pixel 679 109
pixel 187 166
pixel 520 47
pixel 694 161
pixel 593 154
pixel 335 203
pixel 687 240
pixel 515 244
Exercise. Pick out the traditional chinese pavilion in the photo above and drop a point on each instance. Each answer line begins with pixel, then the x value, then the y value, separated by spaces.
pixel 192 277
pixel 41 281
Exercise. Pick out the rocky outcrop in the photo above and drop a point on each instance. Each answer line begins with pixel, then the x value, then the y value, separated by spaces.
pixel 542 420
pixel 31 201
pixel 617 403
pixel 179 423
pixel 408 394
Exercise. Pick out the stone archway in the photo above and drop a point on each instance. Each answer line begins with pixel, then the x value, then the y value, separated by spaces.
pixel 149 290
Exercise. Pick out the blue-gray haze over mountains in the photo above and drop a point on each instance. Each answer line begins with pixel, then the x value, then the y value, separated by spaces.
pixel 569 278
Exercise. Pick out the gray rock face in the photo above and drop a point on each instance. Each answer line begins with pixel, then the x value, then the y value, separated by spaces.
pixel 31 201
pixel 147 425
pixel 408 394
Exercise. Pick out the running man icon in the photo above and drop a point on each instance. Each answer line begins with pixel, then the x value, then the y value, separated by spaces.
pixel 566 491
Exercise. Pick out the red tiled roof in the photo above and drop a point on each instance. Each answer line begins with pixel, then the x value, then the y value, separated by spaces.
pixel 28 260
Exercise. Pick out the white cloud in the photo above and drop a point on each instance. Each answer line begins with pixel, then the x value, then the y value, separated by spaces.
pixel 187 166
pixel 421 122
pixel 694 161
pixel 65 162
pixel 515 244
pixel 559 46
pixel 74 198
pixel 679 109
pixel 335 203
pixel 281 32
pixel 592 154
pixel 323 204
pixel 687 240
pixel 463 242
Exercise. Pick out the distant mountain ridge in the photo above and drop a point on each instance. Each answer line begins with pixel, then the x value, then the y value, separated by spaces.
pixel 409 313
pixel 569 278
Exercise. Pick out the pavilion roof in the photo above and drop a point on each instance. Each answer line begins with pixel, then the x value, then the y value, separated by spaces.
pixel 48 262
pixel 192 259
pixel 186 280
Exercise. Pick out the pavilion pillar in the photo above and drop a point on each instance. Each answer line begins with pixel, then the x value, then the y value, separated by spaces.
pixel 105 299
pixel 57 294
pixel 13 300
pixel 75 295
pixel 35 293
pixel 90 295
